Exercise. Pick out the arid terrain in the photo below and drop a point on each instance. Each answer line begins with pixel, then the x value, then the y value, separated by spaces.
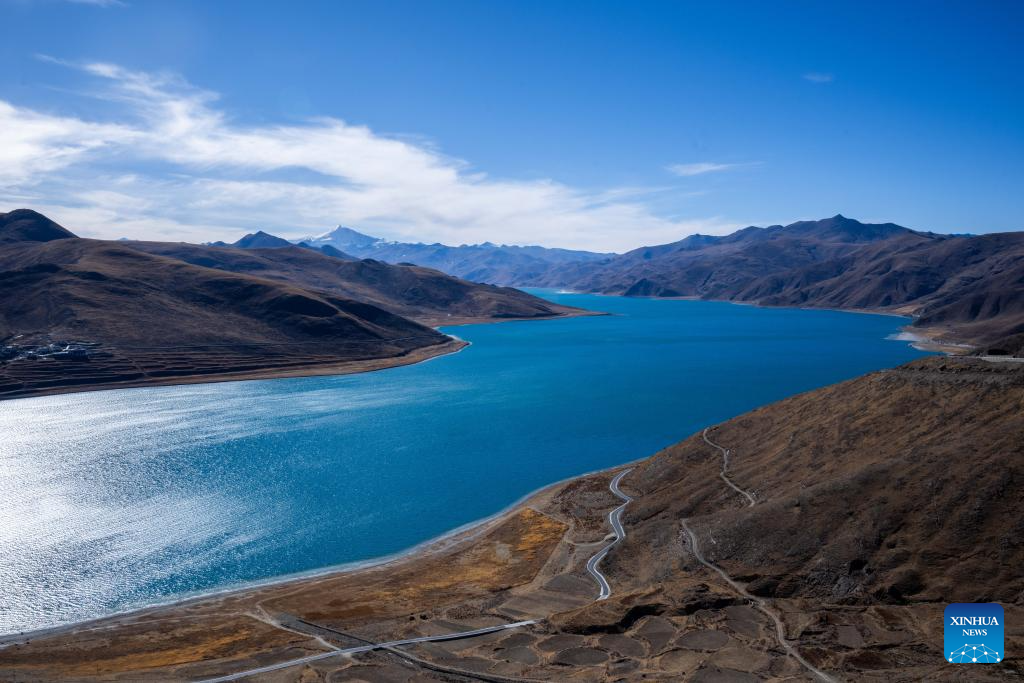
pixel 81 314
pixel 851 515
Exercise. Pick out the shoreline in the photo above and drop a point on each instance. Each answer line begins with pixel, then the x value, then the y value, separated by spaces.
pixel 438 323
pixel 446 541
pixel 924 338
pixel 440 543
pixel 350 367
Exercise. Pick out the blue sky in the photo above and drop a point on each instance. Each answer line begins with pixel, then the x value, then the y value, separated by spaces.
pixel 579 124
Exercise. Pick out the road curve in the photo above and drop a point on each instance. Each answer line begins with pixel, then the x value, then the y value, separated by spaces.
pixel 724 474
pixel 615 520
pixel 759 603
pixel 366 648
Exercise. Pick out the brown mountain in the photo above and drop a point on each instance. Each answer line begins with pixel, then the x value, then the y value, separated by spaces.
pixel 720 267
pixel 970 288
pixel 878 501
pixel 422 293
pixel 90 313
pixel 27 225
pixel 260 239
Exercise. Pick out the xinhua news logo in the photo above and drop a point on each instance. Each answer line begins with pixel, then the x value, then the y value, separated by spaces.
pixel 973 633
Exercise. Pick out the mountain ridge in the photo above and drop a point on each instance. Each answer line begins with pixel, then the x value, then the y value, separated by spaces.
pixel 962 288
pixel 81 313
pixel 487 262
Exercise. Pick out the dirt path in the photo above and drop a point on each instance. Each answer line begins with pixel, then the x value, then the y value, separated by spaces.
pixel 759 603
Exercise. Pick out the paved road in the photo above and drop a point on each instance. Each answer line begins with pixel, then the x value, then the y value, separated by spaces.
pixel 367 648
pixel 615 519
pixel 724 474
pixel 760 604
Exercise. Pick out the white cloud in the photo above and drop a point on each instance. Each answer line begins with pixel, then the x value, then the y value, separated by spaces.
pixel 700 168
pixel 175 166
pixel 819 77
pixel 33 144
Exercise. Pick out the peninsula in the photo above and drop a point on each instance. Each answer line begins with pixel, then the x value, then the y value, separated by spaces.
pixel 80 314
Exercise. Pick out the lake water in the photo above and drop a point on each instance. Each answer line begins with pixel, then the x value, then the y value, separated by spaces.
pixel 116 499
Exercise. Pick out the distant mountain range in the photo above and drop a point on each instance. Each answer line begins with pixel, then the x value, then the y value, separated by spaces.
pixel 79 312
pixel 263 240
pixel 969 288
pixel 966 288
pixel 959 288
pixel 494 263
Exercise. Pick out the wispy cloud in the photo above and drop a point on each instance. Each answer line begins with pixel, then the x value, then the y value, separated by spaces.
pixel 100 3
pixel 171 164
pixel 702 167
pixel 819 77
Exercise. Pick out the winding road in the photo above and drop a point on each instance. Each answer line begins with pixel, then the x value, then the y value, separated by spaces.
pixel 367 648
pixel 759 603
pixel 724 474
pixel 615 520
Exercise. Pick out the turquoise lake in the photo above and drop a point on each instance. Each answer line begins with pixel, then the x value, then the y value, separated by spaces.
pixel 112 500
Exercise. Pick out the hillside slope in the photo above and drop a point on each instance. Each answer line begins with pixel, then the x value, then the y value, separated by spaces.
pixel 421 293
pixel 80 313
pixel 25 225
pixel 878 501
pixel 910 475
pixel 85 314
